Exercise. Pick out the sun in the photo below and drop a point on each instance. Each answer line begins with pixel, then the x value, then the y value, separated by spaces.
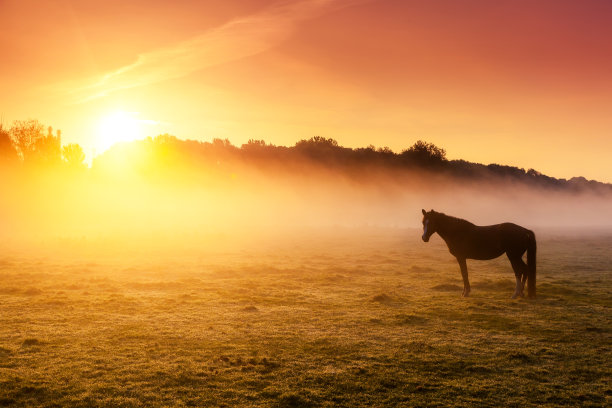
pixel 119 126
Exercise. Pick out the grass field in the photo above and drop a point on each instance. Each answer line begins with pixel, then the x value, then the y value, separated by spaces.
pixel 353 318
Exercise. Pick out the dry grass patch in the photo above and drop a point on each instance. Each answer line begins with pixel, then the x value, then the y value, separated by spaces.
pixel 288 327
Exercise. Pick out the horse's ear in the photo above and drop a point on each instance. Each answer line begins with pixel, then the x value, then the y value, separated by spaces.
pixel 424 212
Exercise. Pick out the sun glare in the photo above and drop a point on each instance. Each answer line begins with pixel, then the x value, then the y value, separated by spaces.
pixel 118 127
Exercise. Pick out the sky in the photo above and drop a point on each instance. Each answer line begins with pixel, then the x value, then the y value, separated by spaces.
pixel 518 82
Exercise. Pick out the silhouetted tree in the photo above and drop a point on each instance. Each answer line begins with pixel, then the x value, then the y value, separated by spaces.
pixel 25 134
pixel 32 144
pixel 317 141
pixel 507 171
pixel 7 148
pixel 425 153
pixel 165 139
pixel 322 150
pixel 253 143
pixel 258 150
pixel 222 143
pixel 74 156
pixel 48 149
pixel 386 150
pixel 256 147
pixel 533 173
pixel 365 155
pixel 317 147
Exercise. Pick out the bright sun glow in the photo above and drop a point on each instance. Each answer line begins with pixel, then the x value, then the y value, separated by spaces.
pixel 118 127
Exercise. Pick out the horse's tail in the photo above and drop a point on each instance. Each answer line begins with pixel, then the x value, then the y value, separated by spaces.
pixel 531 265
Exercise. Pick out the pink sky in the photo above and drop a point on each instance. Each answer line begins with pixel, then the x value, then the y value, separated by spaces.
pixel 515 82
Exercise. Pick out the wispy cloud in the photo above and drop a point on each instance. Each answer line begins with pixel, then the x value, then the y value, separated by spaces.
pixel 234 40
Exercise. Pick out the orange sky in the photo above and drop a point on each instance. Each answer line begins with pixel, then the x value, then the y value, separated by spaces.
pixel 525 83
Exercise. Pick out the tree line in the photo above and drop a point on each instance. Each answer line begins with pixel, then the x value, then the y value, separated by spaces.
pixel 27 142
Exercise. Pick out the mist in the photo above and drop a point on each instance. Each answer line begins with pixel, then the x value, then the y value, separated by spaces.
pixel 171 204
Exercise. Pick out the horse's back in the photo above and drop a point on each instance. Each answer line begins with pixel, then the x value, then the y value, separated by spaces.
pixel 491 241
pixel 514 230
pixel 513 236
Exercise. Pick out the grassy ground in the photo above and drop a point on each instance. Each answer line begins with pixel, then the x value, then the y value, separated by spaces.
pixel 372 319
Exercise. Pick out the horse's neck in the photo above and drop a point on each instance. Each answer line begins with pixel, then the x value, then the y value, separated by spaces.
pixel 450 229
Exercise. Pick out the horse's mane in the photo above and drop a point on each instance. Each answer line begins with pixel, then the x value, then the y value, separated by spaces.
pixel 453 221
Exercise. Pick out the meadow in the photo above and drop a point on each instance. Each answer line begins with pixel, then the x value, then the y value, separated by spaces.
pixel 353 317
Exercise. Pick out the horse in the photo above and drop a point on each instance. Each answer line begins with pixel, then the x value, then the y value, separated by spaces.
pixel 468 241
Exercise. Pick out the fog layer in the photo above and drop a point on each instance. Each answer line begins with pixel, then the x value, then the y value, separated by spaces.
pixel 137 197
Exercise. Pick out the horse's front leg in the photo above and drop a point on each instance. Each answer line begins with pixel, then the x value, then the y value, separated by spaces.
pixel 464 275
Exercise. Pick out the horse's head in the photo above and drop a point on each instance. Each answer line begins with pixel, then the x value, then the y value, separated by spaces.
pixel 429 224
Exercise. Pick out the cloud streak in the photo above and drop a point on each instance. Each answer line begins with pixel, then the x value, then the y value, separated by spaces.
pixel 239 38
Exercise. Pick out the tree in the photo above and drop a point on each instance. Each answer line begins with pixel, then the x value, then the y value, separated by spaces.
pixel 222 143
pixel 48 149
pixel 254 142
pixel 385 150
pixel 25 135
pixel 165 139
pixel 7 148
pixel 74 156
pixel 425 153
pixel 317 141
pixel 254 145
pixel 32 144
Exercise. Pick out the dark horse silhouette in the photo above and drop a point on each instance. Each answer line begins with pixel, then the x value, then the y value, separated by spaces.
pixel 468 241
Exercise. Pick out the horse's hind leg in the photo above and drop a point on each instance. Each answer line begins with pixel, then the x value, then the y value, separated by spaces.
pixel 464 275
pixel 520 273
